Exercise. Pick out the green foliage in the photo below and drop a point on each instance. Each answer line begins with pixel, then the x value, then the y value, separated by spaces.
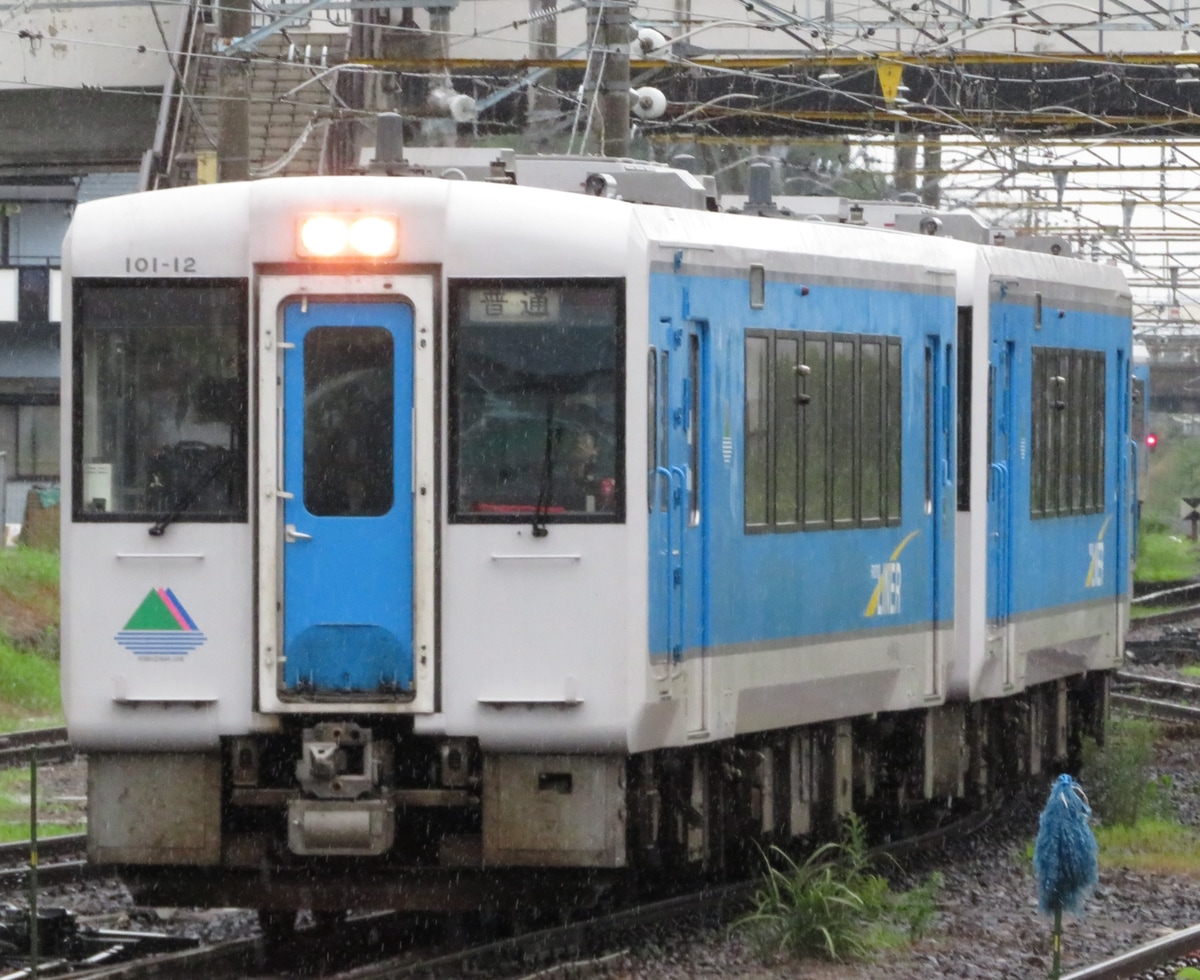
pixel 1165 557
pixel 1154 846
pixel 833 905
pixel 55 816
pixel 1188 973
pixel 1116 775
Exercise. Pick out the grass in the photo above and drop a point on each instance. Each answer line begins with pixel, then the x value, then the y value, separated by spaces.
pixel 833 905
pixel 29 695
pixel 1154 845
pixel 1136 826
pixel 1166 557
pixel 29 684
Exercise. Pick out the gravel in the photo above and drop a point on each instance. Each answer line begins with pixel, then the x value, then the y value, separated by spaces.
pixel 987 924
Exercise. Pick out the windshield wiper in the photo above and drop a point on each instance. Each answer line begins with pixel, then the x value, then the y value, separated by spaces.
pixel 191 493
pixel 546 486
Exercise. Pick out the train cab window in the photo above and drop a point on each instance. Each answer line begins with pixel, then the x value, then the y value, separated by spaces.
pixel 537 401
pixel 161 383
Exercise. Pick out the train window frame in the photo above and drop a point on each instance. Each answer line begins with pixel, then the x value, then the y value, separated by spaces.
pixel 807 395
pixel 236 298
pixel 543 513
pixel 1068 399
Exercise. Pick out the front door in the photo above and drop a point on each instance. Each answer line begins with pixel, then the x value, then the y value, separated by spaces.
pixel 348 507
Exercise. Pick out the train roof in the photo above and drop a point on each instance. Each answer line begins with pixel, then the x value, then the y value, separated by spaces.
pixel 467 223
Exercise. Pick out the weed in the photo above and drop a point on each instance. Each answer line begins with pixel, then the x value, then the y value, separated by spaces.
pixel 833 905
pixel 1165 558
pixel 1116 775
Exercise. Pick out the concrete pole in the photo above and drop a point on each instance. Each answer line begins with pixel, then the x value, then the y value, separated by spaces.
pixel 931 186
pixel 233 109
pixel 542 104
pixel 614 84
pixel 905 176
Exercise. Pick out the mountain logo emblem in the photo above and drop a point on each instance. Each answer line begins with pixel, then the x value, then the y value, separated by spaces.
pixel 160 627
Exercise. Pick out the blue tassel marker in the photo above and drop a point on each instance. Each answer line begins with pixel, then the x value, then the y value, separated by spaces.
pixel 1064 857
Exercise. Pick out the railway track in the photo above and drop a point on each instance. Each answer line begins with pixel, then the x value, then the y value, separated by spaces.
pixel 1160 958
pixel 50 744
pixel 1175 701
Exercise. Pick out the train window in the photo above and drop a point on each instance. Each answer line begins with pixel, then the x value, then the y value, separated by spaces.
pixel 787 429
pixel 894 427
pixel 349 417
pixel 161 385
pixel 1067 457
pixel 846 427
pixel 536 401
pixel 651 428
pixel 805 394
pixel 870 487
pixel 757 428
pixel 664 421
pixel 758 287
pixel 694 434
pixel 963 414
pixel 815 427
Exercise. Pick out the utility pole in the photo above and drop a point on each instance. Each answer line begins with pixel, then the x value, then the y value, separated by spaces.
pixel 542 105
pixel 614 80
pixel 233 109
pixel 931 186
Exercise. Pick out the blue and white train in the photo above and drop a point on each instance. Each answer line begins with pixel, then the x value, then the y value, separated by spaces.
pixel 421 535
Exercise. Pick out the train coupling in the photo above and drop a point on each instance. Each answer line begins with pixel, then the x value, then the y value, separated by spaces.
pixel 347 809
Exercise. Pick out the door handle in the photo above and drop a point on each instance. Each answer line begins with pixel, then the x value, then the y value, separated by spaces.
pixel 290 534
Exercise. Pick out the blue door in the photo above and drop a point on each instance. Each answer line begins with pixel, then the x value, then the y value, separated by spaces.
pixel 348 519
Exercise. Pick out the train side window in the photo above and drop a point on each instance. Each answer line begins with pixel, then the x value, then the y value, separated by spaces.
pixel 161 389
pixel 694 434
pixel 870 411
pixel 664 420
pixel 757 429
pixel 536 401
pixel 845 430
pixel 349 419
pixel 807 393
pixel 963 421
pixel 1067 454
pixel 651 427
pixel 787 430
pixel 815 427
pixel 893 381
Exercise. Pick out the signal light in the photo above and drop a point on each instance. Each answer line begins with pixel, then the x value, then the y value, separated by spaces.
pixel 347 236
pixel 1151 441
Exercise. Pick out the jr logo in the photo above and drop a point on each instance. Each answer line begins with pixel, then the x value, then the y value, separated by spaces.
pixel 885 599
pixel 887 589
pixel 1095 572
pixel 1095 577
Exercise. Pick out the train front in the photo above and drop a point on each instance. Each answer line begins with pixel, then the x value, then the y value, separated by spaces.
pixel 344 549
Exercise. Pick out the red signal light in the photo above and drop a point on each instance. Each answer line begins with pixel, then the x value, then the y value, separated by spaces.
pixel 1151 440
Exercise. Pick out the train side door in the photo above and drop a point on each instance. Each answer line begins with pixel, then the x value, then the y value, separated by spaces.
pixel 678 528
pixel 1001 448
pixel 348 507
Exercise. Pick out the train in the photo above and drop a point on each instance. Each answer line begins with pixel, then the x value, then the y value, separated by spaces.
pixel 499 534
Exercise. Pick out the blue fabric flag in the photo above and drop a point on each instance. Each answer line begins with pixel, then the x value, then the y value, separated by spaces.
pixel 1064 856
